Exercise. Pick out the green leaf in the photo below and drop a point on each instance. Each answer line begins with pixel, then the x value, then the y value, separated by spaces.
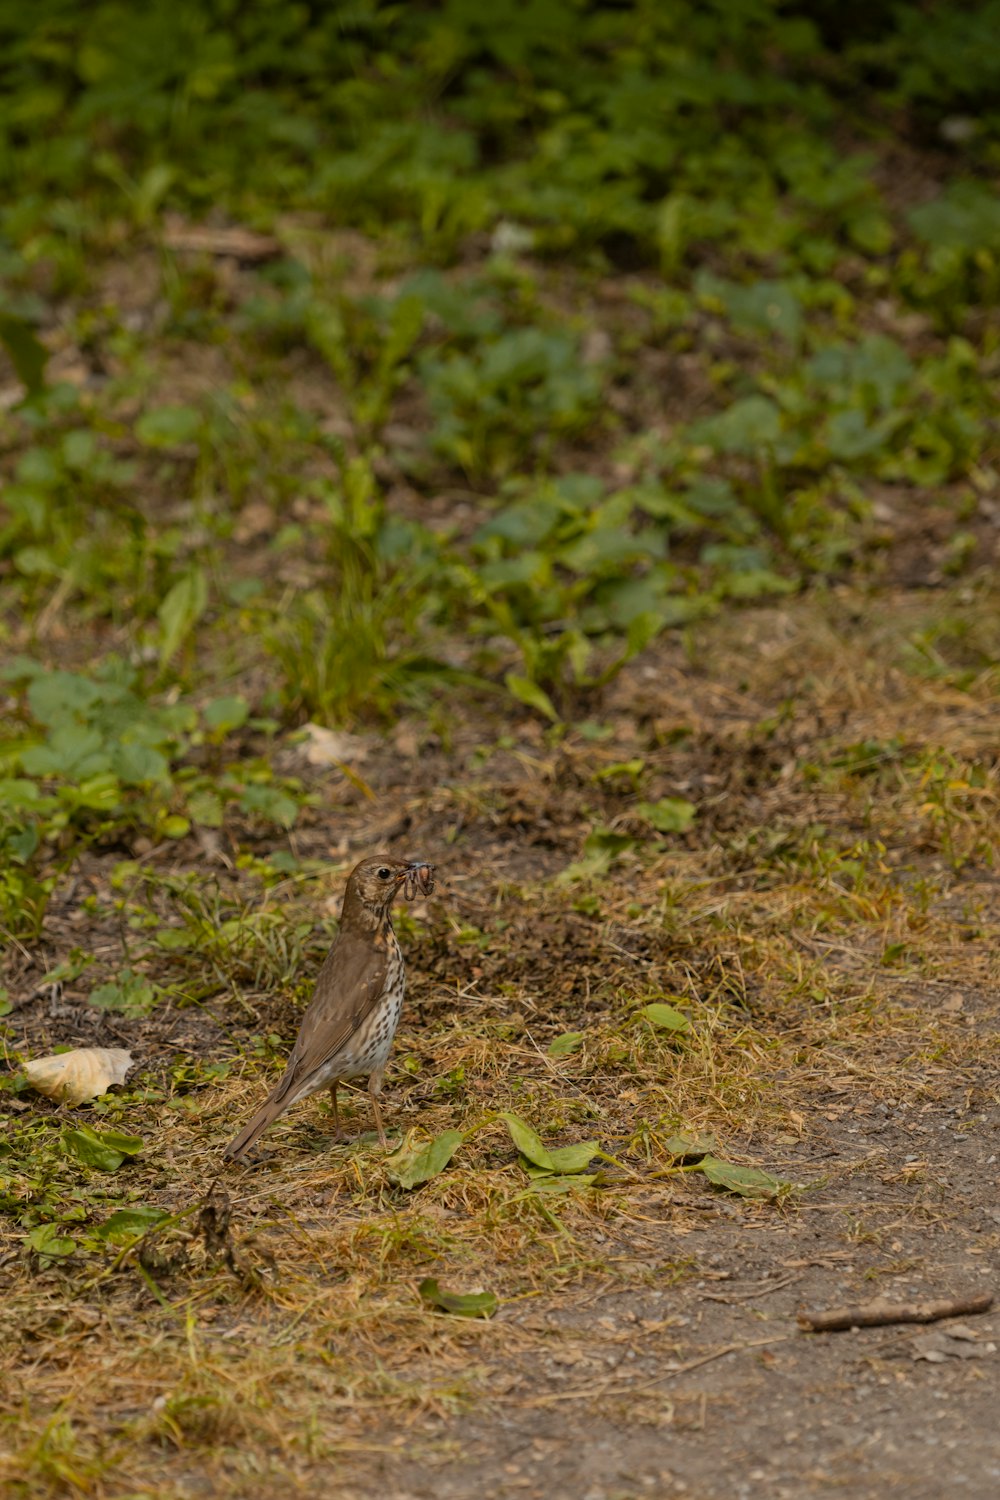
pixel 27 354
pixel 749 1182
pixel 138 765
pixel 664 1017
pixel 72 751
pixel 268 802
pixel 600 850
pixel 166 426
pixel 558 1158
pixel 460 1304
pixel 47 1242
pixel 690 1147
pixel 573 1158
pixel 750 425
pixel 547 1182
pixel 530 694
pixel 205 808
pixel 174 826
pixel 126 1223
pixel 669 814
pixel 225 714
pixel 527 1142
pixel 57 697
pixel 180 611
pixel 409 1167
pixel 130 994
pixel 562 1046
pixel 104 1149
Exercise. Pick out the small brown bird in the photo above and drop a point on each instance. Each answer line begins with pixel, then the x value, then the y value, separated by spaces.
pixel 348 1028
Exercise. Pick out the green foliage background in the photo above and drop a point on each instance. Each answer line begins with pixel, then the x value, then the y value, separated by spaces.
pixel 579 321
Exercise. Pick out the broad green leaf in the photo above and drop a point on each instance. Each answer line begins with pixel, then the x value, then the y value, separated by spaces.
pixel 137 765
pixel 461 1304
pixel 664 1017
pixel 17 793
pixel 126 1223
pixel 72 751
pixel 690 1147
pixel 58 697
pixel 749 425
pixel 527 1142
pixel 103 1149
pixel 573 1158
pixel 165 426
pixel 558 1158
pixel 669 814
pixel 548 1182
pixel 749 1182
pixel 562 1046
pixel 224 714
pixel 530 694
pixel 130 994
pixel 47 1241
pixel 205 808
pixel 600 850
pixel 180 611
pixel 409 1166
pixel 268 802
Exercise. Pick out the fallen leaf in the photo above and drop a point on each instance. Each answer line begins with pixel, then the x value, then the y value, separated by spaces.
pixel 562 1046
pixel 461 1304
pixel 410 1166
pixel 49 1244
pixel 573 1158
pixel 690 1147
pixel 547 1182
pixel 664 1016
pixel 82 1074
pixel 126 1223
pixel 103 1149
pixel 527 1141
pixel 331 747
pixel 749 1182
pixel 555 1159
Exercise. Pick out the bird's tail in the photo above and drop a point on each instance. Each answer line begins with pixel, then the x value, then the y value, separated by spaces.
pixel 264 1117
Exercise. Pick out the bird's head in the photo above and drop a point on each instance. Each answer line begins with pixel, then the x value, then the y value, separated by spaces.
pixel 374 884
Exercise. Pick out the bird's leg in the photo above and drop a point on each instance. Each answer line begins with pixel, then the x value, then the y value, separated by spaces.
pixel 374 1089
pixel 336 1116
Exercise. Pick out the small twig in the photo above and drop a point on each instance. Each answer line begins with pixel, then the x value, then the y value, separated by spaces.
pixel 880 1312
pixel 706 1359
pixel 667 1373
pixel 760 1291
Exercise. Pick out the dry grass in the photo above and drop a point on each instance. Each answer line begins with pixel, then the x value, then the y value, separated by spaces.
pixel 829 927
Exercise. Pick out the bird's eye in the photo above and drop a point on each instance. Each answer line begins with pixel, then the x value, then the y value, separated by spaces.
pixel 384 874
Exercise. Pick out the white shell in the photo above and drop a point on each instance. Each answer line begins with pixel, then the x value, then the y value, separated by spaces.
pixel 85 1073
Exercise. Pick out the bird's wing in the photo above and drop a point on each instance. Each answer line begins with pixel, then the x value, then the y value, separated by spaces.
pixel 347 990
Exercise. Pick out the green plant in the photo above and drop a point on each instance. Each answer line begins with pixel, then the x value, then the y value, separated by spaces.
pixel 355 648
pixel 508 402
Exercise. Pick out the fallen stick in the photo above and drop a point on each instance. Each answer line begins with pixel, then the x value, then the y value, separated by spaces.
pixel 878 1313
